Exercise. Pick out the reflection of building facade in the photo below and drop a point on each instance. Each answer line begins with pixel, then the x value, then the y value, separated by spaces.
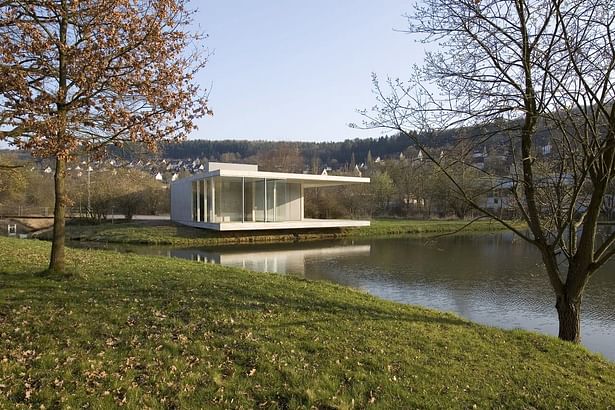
pixel 277 261
pixel 239 197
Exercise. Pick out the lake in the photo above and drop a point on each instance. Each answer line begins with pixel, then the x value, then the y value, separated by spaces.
pixel 495 279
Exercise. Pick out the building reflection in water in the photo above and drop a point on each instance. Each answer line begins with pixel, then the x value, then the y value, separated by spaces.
pixel 278 261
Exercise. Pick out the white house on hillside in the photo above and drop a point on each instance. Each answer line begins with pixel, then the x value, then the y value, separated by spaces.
pixel 230 197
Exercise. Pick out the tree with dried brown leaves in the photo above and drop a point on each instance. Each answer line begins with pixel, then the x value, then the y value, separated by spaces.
pixel 524 71
pixel 77 76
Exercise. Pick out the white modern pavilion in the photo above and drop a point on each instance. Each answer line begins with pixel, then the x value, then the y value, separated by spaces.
pixel 234 197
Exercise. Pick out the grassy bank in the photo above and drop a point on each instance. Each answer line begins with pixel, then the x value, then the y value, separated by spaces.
pixel 167 233
pixel 393 227
pixel 165 333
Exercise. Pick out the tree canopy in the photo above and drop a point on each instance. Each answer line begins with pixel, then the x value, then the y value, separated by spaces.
pixel 76 76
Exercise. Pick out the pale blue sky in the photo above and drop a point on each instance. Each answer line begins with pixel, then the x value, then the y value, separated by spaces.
pixel 299 70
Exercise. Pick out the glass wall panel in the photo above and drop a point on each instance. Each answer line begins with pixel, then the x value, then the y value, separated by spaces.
pixel 231 199
pixel 195 202
pixel 217 194
pixel 248 200
pixel 258 200
pixel 227 199
pixel 209 185
pixel 270 200
pixel 281 201
pixel 202 203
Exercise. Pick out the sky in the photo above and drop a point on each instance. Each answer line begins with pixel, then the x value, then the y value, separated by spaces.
pixel 298 70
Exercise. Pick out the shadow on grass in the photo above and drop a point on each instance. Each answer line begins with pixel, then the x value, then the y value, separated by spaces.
pixel 51 274
pixel 236 298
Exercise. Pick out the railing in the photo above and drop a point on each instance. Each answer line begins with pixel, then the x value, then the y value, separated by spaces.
pixel 29 211
pixel 25 211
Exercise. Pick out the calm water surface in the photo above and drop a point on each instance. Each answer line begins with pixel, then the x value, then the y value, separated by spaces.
pixel 493 279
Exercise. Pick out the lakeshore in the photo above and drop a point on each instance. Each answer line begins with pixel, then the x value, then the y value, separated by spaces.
pixel 161 232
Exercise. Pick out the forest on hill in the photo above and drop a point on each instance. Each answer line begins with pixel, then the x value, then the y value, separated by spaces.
pixel 329 153
pixel 494 136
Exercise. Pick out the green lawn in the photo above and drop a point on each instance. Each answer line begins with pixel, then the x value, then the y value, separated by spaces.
pixel 166 233
pixel 147 332
pixel 390 227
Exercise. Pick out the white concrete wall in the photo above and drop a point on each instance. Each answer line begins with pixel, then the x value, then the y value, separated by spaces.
pixel 181 201
pixel 213 166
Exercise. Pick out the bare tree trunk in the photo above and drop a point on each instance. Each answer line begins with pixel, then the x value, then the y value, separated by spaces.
pixel 57 262
pixel 569 315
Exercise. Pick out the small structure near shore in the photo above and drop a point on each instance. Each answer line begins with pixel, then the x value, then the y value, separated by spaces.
pixel 233 197
pixel 14 228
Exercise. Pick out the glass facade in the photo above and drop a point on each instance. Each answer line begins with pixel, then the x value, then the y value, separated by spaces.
pixel 237 199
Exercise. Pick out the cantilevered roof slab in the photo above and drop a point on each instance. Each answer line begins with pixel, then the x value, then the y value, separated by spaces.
pixel 308 180
pixel 262 226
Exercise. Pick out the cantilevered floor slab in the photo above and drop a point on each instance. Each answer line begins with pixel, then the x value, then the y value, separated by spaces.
pixel 261 226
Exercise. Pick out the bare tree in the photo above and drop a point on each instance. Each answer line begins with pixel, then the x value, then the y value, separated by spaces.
pixel 76 76
pixel 529 74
